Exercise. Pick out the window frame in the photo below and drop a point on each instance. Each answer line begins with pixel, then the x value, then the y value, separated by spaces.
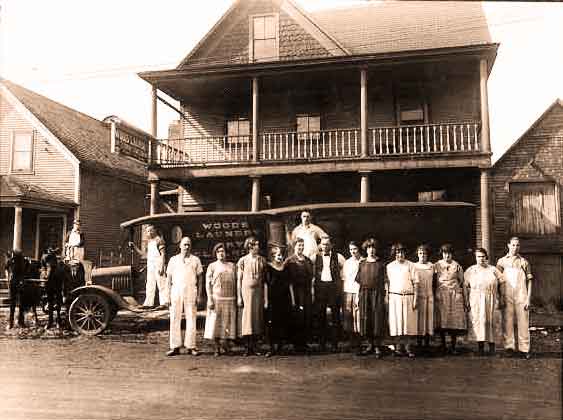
pixel 251 53
pixel 237 139
pixel 305 135
pixel 419 96
pixel 31 169
pixel 556 203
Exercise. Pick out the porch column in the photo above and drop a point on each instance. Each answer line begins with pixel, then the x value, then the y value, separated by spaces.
pixel 18 227
pixel 255 125
pixel 181 191
pixel 485 214
pixel 154 120
pixel 154 183
pixel 364 186
pixel 255 204
pixel 485 131
pixel 364 111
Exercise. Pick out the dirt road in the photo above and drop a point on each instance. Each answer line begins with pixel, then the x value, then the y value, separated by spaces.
pixel 80 378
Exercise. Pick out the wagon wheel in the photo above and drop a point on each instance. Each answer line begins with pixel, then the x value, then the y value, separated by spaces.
pixel 89 314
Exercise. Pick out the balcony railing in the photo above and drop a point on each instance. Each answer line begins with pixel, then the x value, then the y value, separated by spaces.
pixel 413 140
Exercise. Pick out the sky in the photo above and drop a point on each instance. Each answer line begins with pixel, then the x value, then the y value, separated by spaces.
pixel 86 54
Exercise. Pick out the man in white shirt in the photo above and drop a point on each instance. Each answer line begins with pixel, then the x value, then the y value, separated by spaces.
pixel 311 235
pixel 185 274
pixel 74 243
pixel 327 284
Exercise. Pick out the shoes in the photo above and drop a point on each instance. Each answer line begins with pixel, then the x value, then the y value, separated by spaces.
pixel 526 356
pixel 193 352
pixel 411 355
pixel 509 353
pixel 217 353
pixel 173 352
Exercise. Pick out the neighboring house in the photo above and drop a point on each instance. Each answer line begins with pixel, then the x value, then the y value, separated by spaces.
pixel 383 102
pixel 57 164
pixel 527 183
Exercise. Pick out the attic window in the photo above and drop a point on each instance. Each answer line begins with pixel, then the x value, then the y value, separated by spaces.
pixel 264 37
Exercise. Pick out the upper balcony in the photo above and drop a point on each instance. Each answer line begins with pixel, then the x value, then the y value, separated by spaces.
pixel 410 141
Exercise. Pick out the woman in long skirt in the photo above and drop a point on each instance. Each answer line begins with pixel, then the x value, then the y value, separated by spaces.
pixel 423 273
pixel 280 292
pixel 371 280
pixel 300 272
pixel 350 308
pixel 251 273
pixel 451 300
pixel 221 289
pixel 484 282
pixel 403 318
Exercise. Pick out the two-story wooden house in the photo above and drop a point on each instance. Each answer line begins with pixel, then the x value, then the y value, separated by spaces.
pixel 527 182
pixel 56 165
pixel 384 102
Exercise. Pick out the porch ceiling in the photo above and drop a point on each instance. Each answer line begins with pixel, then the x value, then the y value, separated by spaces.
pixel 14 192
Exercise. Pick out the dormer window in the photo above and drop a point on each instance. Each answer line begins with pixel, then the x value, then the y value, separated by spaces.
pixel 264 37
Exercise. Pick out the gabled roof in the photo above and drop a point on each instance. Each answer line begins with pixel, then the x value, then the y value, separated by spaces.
pixel 557 103
pixel 15 190
pixel 372 28
pixel 392 26
pixel 87 138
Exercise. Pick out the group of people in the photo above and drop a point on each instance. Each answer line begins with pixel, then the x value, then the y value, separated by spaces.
pixel 368 300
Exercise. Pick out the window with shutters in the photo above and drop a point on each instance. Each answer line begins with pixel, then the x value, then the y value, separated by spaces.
pixel 535 208
pixel 22 152
pixel 264 37
pixel 238 130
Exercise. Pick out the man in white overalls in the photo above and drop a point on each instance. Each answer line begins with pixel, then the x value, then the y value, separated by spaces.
pixel 518 290
pixel 155 255
pixel 185 275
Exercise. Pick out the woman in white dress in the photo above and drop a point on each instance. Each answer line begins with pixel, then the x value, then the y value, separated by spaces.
pixel 484 282
pixel 403 317
pixel 423 273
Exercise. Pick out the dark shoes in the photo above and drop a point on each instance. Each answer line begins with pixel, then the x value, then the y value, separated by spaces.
pixel 193 352
pixel 173 352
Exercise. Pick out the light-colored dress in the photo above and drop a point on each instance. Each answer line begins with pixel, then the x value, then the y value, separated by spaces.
pixel 253 271
pixel 403 319
pixel 350 306
pixel 423 275
pixel 221 279
pixel 483 283
pixel 449 297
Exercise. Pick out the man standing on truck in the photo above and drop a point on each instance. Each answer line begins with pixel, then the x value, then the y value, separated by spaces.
pixel 185 275
pixel 155 255
pixel 311 235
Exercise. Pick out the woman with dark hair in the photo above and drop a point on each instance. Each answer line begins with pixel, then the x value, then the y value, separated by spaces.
pixel 280 293
pixel 350 290
pixel 221 289
pixel 484 282
pixel 403 318
pixel 371 279
pixel 300 274
pixel 452 302
pixel 423 273
pixel 251 273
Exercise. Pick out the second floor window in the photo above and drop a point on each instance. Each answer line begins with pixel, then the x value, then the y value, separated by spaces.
pixel 308 125
pixel 411 105
pixel 238 130
pixel 264 36
pixel 535 208
pixel 22 152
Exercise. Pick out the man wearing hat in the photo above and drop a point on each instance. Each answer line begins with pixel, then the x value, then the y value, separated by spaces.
pixel 74 242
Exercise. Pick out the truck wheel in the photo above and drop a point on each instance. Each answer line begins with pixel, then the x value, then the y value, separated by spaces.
pixel 89 314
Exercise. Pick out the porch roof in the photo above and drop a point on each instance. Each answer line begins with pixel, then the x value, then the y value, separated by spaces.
pixel 16 192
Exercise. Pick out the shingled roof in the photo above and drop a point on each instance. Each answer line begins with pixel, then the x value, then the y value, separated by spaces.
pixel 87 138
pixel 393 26
pixel 12 189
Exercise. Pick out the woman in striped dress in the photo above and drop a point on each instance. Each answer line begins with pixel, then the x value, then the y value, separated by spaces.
pixel 251 273
pixel 403 318
pixel 423 273
pixel 221 289
pixel 451 300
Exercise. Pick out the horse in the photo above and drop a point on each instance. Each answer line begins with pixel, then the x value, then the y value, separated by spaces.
pixel 21 294
pixel 61 280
